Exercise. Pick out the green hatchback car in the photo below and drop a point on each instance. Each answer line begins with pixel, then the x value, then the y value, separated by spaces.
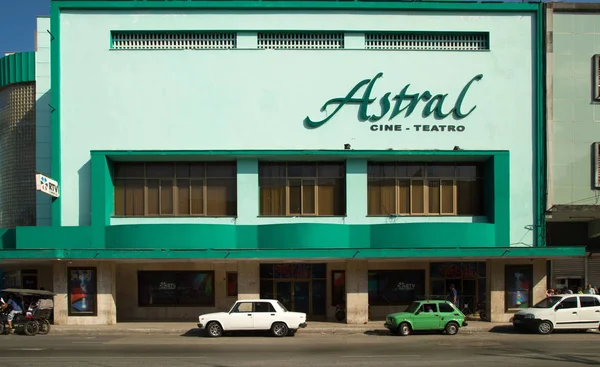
pixel 424 316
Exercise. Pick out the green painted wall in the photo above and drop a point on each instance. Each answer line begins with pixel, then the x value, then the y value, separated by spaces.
pixel 17 68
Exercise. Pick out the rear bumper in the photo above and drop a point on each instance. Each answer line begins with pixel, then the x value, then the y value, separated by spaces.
pixel 302 325
pixel 464 324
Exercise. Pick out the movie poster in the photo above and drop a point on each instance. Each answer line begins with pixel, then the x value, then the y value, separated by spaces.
pixel 82 291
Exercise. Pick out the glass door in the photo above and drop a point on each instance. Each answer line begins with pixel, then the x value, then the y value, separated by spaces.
pixel 302 297
pixel 283 292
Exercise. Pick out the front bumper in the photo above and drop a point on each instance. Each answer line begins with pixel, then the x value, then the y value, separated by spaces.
pixel 200 326
pixel 464 324
pixel 389 326
pixel 525 323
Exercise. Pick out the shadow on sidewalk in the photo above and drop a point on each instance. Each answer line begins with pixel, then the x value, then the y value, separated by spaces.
pixel 202 333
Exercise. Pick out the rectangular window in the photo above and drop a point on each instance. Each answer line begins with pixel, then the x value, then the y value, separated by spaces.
pixel 176 288
pixel 232 284
pixel 176 189
pixel 338 287
pixel 518 286
pixel 172 40
pixel 438 189
pixel 428 41
pixel 395 287
pixel 302 188
pixel 82 292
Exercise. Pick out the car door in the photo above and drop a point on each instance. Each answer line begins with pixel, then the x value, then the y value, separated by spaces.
pixel 567 315
pixel 241 317
pixel 427 317
pixel 264 315
pixel 589 312
pixel 447 312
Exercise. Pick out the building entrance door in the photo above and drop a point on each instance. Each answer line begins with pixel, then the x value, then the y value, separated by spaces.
pixel 295 295
pixel 299 287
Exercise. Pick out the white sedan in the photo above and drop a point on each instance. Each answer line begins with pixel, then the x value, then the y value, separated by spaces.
pixel 255 314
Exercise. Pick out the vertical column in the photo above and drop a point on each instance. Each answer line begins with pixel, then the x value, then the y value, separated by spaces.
pixel 248 280
pixel 498 286
pixel 357 292
pixel 107 294
pixel 59 275
pixel 356 190
pixel 247 190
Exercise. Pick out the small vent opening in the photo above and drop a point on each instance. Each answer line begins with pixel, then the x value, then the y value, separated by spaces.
pixel 428 41
pixel 173 40
pixel 301 41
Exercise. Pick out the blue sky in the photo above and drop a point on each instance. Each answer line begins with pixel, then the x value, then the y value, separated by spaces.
pixel 17 23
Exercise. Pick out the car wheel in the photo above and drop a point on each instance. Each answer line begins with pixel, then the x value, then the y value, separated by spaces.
pixel 451 328
pixel 214 329
pixel 404 329
pixel 279 329
pixel 545 327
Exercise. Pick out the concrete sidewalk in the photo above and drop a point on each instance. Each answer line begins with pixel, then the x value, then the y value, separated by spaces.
pixel 332 328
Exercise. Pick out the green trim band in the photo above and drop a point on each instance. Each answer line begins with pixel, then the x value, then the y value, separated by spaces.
pixel 17 68
pixel 291 5
pixel 433 253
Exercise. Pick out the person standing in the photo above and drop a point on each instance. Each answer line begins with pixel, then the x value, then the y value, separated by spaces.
pixel 589 289
pixel 453 295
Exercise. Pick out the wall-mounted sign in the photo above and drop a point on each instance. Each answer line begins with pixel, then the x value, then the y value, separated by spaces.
pixel 46 185
pixel 439 106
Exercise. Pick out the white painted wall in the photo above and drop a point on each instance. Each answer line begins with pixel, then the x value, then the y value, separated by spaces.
pixel 258 99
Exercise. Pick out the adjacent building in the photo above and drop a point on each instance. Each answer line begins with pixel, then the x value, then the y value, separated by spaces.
pixel 573 130
pixel 358 153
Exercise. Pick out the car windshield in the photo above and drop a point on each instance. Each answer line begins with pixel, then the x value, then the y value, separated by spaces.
pixel 413 307
pixel 232 306
pixel 282 307
pixel 548 302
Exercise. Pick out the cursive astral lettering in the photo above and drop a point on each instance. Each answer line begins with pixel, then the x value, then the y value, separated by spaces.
pixel 404 102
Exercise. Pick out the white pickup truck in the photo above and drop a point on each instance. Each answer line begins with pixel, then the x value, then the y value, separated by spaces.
pixel 254 314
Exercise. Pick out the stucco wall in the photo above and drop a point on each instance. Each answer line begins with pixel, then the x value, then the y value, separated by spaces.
pixel 574 115
pixel 258 99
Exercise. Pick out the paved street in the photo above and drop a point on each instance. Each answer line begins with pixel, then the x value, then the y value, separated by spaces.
pixel 489 349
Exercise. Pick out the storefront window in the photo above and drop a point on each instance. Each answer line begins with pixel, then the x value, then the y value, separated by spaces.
pixel 83 297
pixel 395 287
pixel 175 189
pixel 232 284
pixel 468 278
pixel 518 286
pixel 176 288
pixel 338 287
pixel 440 189
pixel 302 189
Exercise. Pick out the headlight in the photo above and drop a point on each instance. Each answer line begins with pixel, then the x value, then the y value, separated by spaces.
pixel 529 316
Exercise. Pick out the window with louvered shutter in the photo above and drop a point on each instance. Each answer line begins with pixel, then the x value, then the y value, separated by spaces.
pixel 428 41
pixel 171 40
pixel 301 41
pixel 596 77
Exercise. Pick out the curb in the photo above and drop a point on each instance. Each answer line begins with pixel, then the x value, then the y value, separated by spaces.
pixel 192 331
